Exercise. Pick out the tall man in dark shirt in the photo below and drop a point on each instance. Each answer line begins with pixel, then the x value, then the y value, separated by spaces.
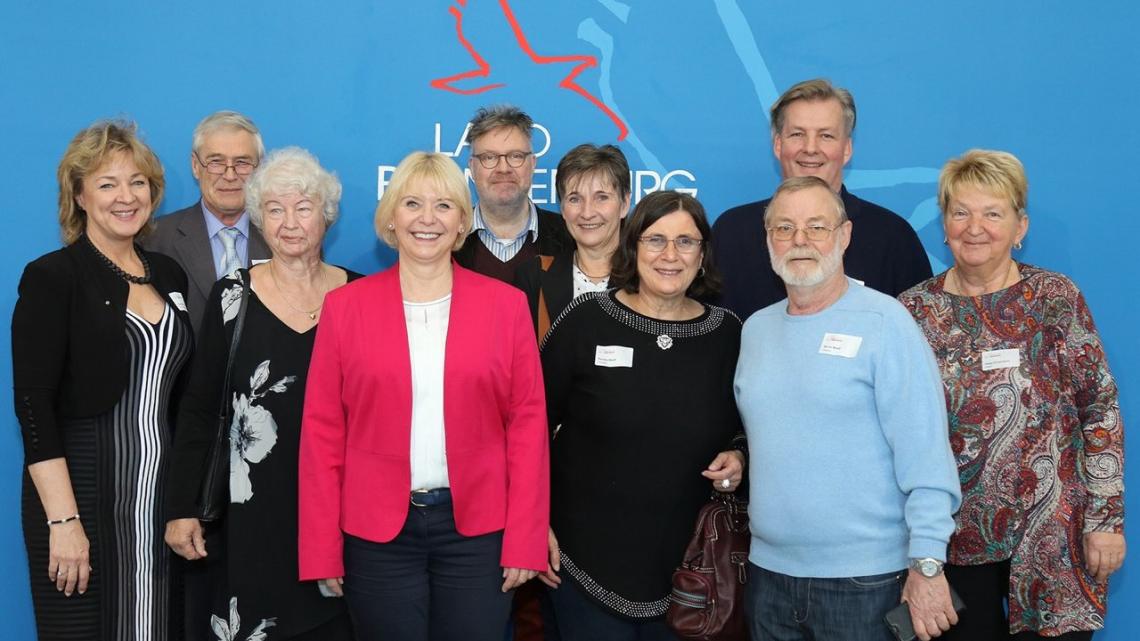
pixel 508 229
pixel 812 124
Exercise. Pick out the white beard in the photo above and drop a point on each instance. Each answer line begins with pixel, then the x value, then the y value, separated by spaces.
pixel 825 266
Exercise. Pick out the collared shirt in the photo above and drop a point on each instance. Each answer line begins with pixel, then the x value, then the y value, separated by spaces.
pixel 505 248
pixel 214 225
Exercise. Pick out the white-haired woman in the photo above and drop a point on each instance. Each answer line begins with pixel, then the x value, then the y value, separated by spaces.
pixel 293 201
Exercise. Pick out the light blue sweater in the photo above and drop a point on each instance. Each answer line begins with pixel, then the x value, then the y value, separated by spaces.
pixel 849 457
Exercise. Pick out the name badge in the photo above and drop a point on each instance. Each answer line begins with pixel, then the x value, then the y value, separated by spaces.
pixel 178 301
pixel 1000 359
pixel 843 345
pixel 613 356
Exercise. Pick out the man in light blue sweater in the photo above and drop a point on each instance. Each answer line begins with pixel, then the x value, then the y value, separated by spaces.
pixel 853 485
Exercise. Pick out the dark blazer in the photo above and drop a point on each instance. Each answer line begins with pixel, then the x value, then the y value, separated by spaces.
pixel 553 239
pixel 69 346
pixel 182 236
pixel 885 254
pixel 556 284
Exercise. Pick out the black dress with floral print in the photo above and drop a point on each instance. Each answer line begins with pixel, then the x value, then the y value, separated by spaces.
pixel 267 389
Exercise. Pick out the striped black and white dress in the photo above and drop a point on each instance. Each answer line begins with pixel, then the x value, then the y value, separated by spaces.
pixel 118 463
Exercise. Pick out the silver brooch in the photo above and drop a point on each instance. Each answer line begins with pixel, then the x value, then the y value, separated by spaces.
pixel 664 341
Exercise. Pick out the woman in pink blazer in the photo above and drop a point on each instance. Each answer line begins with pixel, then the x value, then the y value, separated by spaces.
pixel 424 472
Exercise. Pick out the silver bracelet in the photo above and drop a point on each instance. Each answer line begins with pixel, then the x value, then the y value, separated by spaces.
pixel 73 517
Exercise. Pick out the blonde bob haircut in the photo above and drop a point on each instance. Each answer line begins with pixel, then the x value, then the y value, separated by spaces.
pixel 438 171
pixel 998 173
pixel 86 154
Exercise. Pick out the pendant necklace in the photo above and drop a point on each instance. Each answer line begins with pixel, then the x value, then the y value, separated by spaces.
pixel 311 314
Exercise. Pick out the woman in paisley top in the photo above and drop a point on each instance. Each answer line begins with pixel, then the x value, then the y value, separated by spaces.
pixel 293 201
pixel 1034 419
pixel 640 403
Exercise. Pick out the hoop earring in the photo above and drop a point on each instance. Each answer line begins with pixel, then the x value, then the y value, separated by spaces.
pixel 1017 245
pixel 701 271
pixel 945 241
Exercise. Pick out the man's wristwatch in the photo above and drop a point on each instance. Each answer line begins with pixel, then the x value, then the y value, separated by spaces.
pixel 927 567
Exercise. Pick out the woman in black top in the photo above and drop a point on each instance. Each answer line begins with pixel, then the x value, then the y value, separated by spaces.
pixel 640 403
pixel 99 337
pixel 593 187
pixel 293 201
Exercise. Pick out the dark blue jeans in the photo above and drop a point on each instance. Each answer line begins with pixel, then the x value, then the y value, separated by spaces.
pixel 785 608
pixel 430 583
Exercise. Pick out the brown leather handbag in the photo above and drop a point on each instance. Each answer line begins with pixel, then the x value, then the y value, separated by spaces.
pixel 707 601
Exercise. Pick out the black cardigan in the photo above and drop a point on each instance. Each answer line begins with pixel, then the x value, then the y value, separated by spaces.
pixel 69 346
pixel 555 284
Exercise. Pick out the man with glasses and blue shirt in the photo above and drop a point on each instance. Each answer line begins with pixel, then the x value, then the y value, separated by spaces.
pixel 508 229
pixel 853 484
pixel 213 237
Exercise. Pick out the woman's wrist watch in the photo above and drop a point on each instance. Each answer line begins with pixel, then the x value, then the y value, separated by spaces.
pixel 927 567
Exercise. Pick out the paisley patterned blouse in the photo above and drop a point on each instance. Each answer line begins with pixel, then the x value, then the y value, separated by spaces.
pixel 1036 431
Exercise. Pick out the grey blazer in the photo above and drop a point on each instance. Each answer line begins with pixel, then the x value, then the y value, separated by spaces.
pixel 182 236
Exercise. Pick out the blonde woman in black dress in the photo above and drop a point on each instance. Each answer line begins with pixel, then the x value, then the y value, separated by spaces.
pixel 99 338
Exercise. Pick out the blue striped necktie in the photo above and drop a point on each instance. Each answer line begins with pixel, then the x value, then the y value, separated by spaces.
pixel 230 260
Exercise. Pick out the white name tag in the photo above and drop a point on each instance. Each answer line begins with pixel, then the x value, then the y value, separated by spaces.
pixel 840 345
pixel 613 356
pixel 1000 359
pixel 178 301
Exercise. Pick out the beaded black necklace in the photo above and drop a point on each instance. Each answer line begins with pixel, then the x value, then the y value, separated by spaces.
pixel 118 271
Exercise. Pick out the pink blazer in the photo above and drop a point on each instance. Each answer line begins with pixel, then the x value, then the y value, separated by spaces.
pixel 355 470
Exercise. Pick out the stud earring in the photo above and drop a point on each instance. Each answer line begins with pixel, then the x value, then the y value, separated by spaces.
pixel 391 226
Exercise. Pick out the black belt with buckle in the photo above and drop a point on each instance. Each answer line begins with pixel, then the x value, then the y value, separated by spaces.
pixel 429 498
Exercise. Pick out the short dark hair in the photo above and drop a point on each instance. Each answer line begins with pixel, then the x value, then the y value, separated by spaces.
pixel 606 160
pixel 488 119
pixel 654 207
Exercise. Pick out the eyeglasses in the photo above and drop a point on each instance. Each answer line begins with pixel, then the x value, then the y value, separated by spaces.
pixel 219 167
pixel 683 244
pixel 514 159
pixel 813 232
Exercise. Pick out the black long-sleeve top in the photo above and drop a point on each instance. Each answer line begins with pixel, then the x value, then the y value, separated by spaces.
pixel 631 442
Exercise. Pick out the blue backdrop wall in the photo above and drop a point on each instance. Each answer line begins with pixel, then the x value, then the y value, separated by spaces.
pixel 684 86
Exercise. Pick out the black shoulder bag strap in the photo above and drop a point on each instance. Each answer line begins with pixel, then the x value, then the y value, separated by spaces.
pixel 214 492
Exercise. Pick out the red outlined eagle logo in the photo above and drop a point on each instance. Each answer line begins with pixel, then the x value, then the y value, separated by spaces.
pixel 483 68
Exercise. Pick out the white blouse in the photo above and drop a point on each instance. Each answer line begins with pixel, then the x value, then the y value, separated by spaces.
pixel 427 337
pixel 583 284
